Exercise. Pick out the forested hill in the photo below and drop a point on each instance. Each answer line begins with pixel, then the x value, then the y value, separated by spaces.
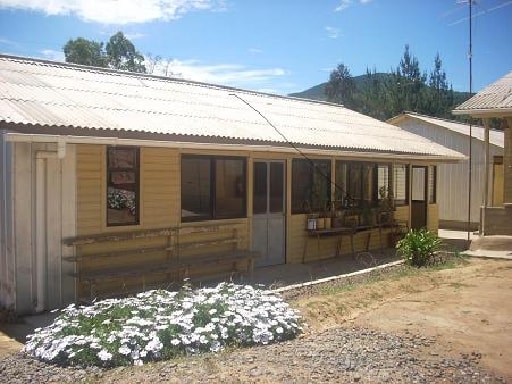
pixel 317 92
pixel 373 95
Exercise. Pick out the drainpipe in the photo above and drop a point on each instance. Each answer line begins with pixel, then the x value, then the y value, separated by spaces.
pixel 3 223
pixel 40 256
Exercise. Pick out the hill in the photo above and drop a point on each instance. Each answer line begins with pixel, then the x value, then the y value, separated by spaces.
pixel 317 92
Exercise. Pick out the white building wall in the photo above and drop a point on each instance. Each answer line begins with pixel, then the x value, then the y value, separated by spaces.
pixel 45 206
pixel 7 264
pixel 453 185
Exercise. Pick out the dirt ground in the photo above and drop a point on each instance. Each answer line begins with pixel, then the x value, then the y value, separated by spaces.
pixel 468 309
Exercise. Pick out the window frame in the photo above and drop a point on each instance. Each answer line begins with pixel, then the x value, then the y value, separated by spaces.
pixel 312 165
pixel 432 184
pixel 213 214
pixel 405 201
pixel 110 170
pixel 368 180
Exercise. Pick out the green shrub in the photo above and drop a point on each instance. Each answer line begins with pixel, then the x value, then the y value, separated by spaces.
pixel 418 247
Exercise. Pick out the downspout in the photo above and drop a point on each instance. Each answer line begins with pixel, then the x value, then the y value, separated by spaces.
pixel 40 221
pixel 3 224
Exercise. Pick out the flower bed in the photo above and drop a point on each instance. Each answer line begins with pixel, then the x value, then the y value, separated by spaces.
pixel 159 324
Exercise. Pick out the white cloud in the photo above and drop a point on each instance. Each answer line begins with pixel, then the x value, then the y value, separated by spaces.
pixel 115 11
pixel 344 4
pixel 332 32
pixel 255 51
pixel 51 54
pixel 134 36
pixel 223 74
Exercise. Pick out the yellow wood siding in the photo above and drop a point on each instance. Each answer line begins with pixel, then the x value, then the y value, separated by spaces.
pixel 160 206
pixel 89 172
pixel 433 218
pixel 160 181
pixel 497 185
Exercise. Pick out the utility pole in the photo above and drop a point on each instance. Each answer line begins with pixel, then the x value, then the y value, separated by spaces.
pixel 470 121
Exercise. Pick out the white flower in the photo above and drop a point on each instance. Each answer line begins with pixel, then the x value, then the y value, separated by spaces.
pixel 104 355
pixel 124 350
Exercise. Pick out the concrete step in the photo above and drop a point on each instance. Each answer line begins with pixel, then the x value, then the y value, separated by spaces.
pixel 492 243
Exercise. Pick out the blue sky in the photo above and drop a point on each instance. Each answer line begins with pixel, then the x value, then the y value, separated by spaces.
pixel 278 46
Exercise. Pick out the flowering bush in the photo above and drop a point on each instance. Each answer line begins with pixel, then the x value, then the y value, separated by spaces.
pixel 160 324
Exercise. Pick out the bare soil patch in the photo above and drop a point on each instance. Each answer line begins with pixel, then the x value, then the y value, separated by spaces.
pixel 468 309
pixel 396 325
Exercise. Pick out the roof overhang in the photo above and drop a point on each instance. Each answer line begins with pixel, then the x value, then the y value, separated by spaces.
pixel 112 140
pixel 484 112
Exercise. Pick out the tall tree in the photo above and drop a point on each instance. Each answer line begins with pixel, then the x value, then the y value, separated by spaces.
pixel 340 87
pixel 407 86
pixel 85 52
pixel 122 54
pixel 371 102
pixel 440 101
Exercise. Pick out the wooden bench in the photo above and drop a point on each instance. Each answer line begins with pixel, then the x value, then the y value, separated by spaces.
pixel 172 252
pixel 214 244
pixel 103 257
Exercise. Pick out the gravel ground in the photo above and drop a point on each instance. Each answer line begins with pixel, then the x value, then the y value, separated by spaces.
pixel 338 355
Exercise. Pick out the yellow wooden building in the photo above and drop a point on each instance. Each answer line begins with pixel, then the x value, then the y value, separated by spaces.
pixel 114 181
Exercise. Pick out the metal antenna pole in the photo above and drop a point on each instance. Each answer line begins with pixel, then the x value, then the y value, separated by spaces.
pixel 470 2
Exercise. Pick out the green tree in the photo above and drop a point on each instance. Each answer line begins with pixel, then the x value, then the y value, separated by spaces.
pixel 410 82
pixel 122 54
pixel 340 88
pixel 441 98
pixel 371 101
pixel 85 52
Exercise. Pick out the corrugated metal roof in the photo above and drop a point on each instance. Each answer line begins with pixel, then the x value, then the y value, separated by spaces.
pixel 56 94
pixel 478 132
pixel 494 98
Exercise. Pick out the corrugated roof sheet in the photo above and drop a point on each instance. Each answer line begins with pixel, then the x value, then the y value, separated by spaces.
pixel 56 94
pixel 478 132
pixel 495 97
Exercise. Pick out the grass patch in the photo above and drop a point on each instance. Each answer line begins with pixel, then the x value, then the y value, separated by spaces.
pixel 455 260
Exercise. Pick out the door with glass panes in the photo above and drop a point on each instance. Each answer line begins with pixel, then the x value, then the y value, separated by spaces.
pixel 268 224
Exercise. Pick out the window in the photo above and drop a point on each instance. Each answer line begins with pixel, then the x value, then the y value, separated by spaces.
pixel 311 185
pixel 361 184
pixel 212 188
pixel 432 184
pixel 382 190
pixel 401 184
pixel 122 186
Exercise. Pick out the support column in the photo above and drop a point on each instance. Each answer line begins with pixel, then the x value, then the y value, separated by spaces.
pixel 507 164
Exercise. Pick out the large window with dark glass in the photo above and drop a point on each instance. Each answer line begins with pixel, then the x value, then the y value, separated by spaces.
pixel 311 185
pixel 401 184
pixel 212 187
pixel 361 184
pixel 122 186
